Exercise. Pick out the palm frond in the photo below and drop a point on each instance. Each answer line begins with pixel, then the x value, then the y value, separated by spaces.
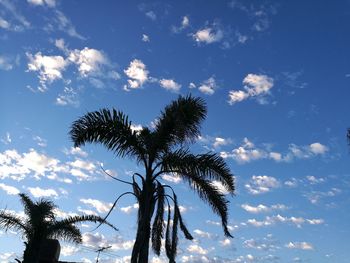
pixel 67 232
pixel 167 234
pixel 179 122
pixel 204 187
pixel 209 166
pixel 158 223
pixel 110 128
pixel 182 224
pixel 10 221
pixel 79 219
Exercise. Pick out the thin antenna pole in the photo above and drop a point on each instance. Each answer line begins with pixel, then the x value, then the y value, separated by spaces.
pixel 100 250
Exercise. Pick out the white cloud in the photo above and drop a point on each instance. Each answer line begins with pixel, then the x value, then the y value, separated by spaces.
pixel 11 8
pixel 100 206
pixel 99 240
pixel 271 220
pixel 145 38
pixel 192 85
pixel 68 97
pixel 218 141
pixel 208 86
pixel 137 73
pixel 88 60
pixel 262 208
pixel 314 180
pixel 267 243
pixel 248 152
pixel 40 141
pixel 255 86
pixel 318 148
pixel 171 178
pixel 7 139
pixel 226 242
pixel 299 245
pixel 4 24
pixel 49 68
pixel 208 35
pixel 185 22
pixel 49 3
pixel 129 209
pixel 40 192
pixel 197 249
pixel 151 15
pixel 170 84
pixel 202 234
pixel 260 184
pixel 10 190
pixel 75 151
pixel 67 250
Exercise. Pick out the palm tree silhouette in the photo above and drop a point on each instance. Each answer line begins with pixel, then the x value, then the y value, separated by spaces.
pixel 40 224
pixel 160 150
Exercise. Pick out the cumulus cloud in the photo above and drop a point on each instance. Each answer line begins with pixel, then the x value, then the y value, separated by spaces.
pixel 255 86
pixel 262 208
pixel 100 206
pixel 88 60
pixel 10 190
pixel 197 249
pixel 49 68
pixel 170 84
pixel 248 152
pixel 208 86
pixel 145 38
pixel 137 74
pixel 260 184
pixel 38 192
pixel 299 245
pixel 271 220
pixel 129 209
pixel 208 35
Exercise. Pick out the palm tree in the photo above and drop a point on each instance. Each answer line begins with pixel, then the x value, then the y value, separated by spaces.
pixel 160 150
pixel 40 224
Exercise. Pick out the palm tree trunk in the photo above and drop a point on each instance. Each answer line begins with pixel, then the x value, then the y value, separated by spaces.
pixel 31 252
pixel 146 208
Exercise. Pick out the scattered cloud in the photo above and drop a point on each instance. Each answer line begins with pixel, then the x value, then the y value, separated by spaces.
pixel 69 96
pixel 185 23
pixel 10 190
pixel 7 139
pixel 222 189
pixel 38 192
pixel 19 23
pixel 197 249
pixel 299 245
pixel 208 86
pixel 151 15
pixel 49 68
pixel 263 208
pixel 170 84
pixel 172 178
pixel 267 243
pixel 255 86
pixel 129 209
pixel 100 206
pixel 137 74
pixel 49 3
pixel 248 152
pixel 64 24
pixel 272 220
pixel 75 151
pixel 202 234
pixel 88 60
pixel 145 38
pixel 208 35
pixel 260 184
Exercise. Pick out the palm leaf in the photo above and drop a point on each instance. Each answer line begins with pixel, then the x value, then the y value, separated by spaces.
pixel 67 232
pixel 10 221
pixel 158 223
pixel 110 128
pixel 209 166
pixel 179 122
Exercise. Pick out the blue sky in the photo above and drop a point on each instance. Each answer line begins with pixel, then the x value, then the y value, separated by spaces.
pixel 275 76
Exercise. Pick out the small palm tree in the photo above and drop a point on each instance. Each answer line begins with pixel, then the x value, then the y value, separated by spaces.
pixel 161 150
pixel 40 224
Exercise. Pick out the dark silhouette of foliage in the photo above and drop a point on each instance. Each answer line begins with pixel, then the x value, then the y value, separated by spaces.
pixel 40 224
pixel 160 150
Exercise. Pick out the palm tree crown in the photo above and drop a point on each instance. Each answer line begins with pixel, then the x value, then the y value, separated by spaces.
pixel 40 224
pixel 161 150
